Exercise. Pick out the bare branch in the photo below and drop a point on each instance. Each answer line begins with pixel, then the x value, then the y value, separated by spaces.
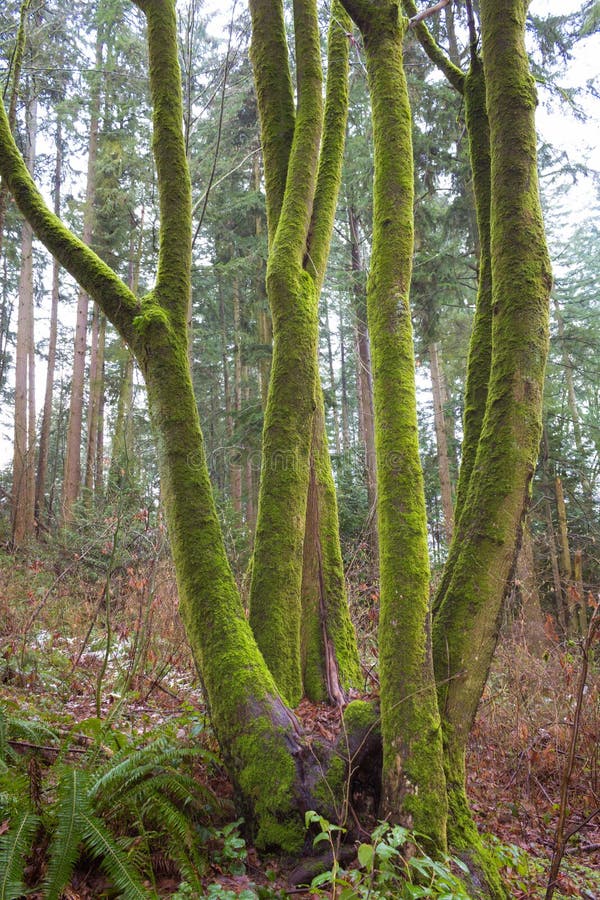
pixel 424 14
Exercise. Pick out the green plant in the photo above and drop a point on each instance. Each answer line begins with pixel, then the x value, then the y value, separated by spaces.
pixel 392 864
pixel 120 811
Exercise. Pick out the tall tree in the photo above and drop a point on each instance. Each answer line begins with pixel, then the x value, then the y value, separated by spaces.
pixel 23 484
pixel 72 473
pixel 46 423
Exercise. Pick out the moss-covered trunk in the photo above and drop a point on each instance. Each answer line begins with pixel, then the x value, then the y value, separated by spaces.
pixel 330 663
pixel 275 608
pixel 328 643
pixel 413 789
pixel 298 607
pixel 467 618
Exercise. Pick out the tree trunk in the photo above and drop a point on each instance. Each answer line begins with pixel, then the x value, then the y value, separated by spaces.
pixel 443 459
pixel 413 789
pixel 493 503
pixel 294 418
pixel 344 385
pixel 72 473
pixel 96 391
pixel 566 570
pixel 17 63
pixel 531 609
pixel 99 448
pixel 44 441
pixel 23 485
pixel 330 663
pixel 579 598
pixel 365 378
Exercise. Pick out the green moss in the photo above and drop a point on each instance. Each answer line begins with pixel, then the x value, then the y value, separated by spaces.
pixel 467 621
pixel 463 836
pixel 361 715
pixel 480 347
pixel 325 614
pixel 326 626
pixel 267 778
pixel 437 56
pixel 151 315
pixel 275 609
pixel 274 92
pixel 413 779
pixel 258 736
pixel 175 197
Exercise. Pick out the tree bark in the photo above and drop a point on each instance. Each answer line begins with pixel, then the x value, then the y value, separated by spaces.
pixel 443 459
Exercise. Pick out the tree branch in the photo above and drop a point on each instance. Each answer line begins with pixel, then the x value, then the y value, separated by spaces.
pixel 172 289
pixel 433 50
pixel 424 14
pixel 275 97
pixel 332 149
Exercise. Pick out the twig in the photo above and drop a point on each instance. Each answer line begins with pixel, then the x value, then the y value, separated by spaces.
pixel 563 836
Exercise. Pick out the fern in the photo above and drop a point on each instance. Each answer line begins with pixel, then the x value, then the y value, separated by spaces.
pixel 178 827
pixel 182 789
pixel 128 769
pixel 101 845
pixel 13 728
pixel 63 853
pixel 15 847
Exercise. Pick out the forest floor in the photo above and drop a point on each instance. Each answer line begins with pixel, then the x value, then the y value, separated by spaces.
pixel 62 667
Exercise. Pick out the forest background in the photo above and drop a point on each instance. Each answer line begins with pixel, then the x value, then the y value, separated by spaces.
pixel 118 480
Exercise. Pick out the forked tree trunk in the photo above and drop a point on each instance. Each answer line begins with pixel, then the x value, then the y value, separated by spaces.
pixel 272 766
pixel 302 627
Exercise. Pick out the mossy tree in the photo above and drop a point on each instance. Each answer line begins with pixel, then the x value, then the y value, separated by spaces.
pixel 413 781
pixel 298 608
pixel 275 771
pixel 509 345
